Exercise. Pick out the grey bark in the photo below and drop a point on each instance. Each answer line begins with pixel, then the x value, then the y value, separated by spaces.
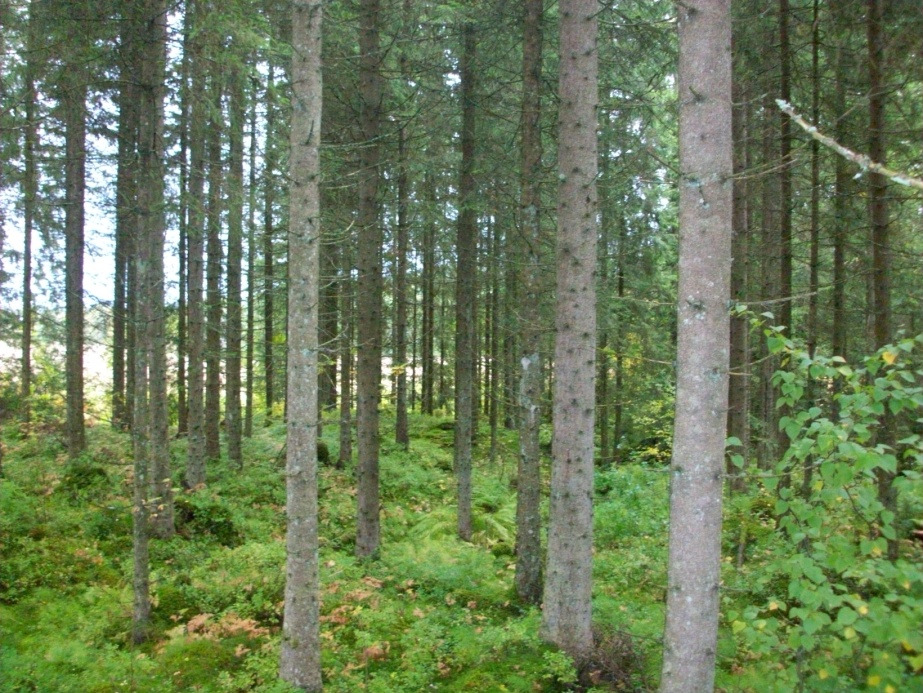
pixel 706 228
pixel 369 318
pixel 566 615
pixel 464 290
pixel 300 653
pixel 213 274
pixel 233 326
pixel 528 487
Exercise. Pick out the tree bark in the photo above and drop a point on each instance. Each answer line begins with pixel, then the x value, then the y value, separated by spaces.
pixel 213 276
pixel 195 464
pixel 528 486
pixel 401 436
pixel 75 132
pixel 370 284
pixel 464 289
pixel 428 376
pixel 566 615
pixel 29 196
pixel 268 255
pixel 347 333
pixel 785 173
pixel 251 271
pixel 706 229
pixel 233 328
pixel 300 662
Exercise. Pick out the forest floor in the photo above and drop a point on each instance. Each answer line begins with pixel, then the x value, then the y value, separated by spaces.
pixel 431 613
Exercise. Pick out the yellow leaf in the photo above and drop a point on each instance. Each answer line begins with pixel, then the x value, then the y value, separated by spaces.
pixel 890 689
pixel 874 680
pixel 822 674
pixel 773 606
pixel 889 357
pixel 849 632
pixel 863 609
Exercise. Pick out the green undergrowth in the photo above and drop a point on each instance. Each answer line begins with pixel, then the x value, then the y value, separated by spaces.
pixel 431 613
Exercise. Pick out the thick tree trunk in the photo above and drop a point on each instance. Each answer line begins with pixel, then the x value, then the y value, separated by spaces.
pixel 528 486
pixel 464 289
pixel 182 318
pixel 237 112
pixel 213 278
pixel 706 229
pixel 75 114
pixel 195 464
pixel 567 601
pixel 300 654
pixel 370 285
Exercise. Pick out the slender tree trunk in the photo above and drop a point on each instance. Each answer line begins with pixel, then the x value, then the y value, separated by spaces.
pixel 429 301
pixel 347 333
pixel 785 174
pixel 566 610
pixel 529 486
pixel 464 289
pixel 739 390
pixel 75 114
pixel 401 436
pixel 213 278
pixel 182 327
pixel 29 196
pixel 494 358
pixel 268 255
pixel 881 241
pixel 237 111
pixel 300 662
pixel 251 271
pixel 840 208
pixel 152 225
pixel 195 464
pixel 370 284
pixel 706 230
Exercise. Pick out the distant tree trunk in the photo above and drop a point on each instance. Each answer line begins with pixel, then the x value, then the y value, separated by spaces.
pixel 75 131
pixel 251 271
pixel 529 486
pixel 602 336
pixel 369 289
pixel 213 278
pixel 881 240
pixel 840 205
pixel 29 196
pixel 494 358
pixel 566 609
pixel 706 230
pixel 327 382
pixel 401 436
pixel 464 289
pixel 195 464
pixel 152 226
pixel 347 332
pixel 233 329
pixel 268 255
pixel 618 406
pixel 738 389
pixel 428 375
pixel 182 329
pixel 300 662
pixel 785 173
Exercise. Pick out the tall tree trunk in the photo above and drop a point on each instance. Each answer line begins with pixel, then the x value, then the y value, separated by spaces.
pixel 494 358
pixel 529 486
pixel 182 318
pixel 738 389
pixel 233 329
pixel 706 229
pixel 785 174
pixel 251 270
pixel 464 289
pixel 268 255
pixel 29 196
pixel 213 277
pixel 300 662
pixel 428 376
pixel 881 241
pixel 840 204
pixel 566 609
pixel 347 332
pixel 75 131
pixel 152 225
pixel 195 464
pixel 369 299
pixel 401 436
